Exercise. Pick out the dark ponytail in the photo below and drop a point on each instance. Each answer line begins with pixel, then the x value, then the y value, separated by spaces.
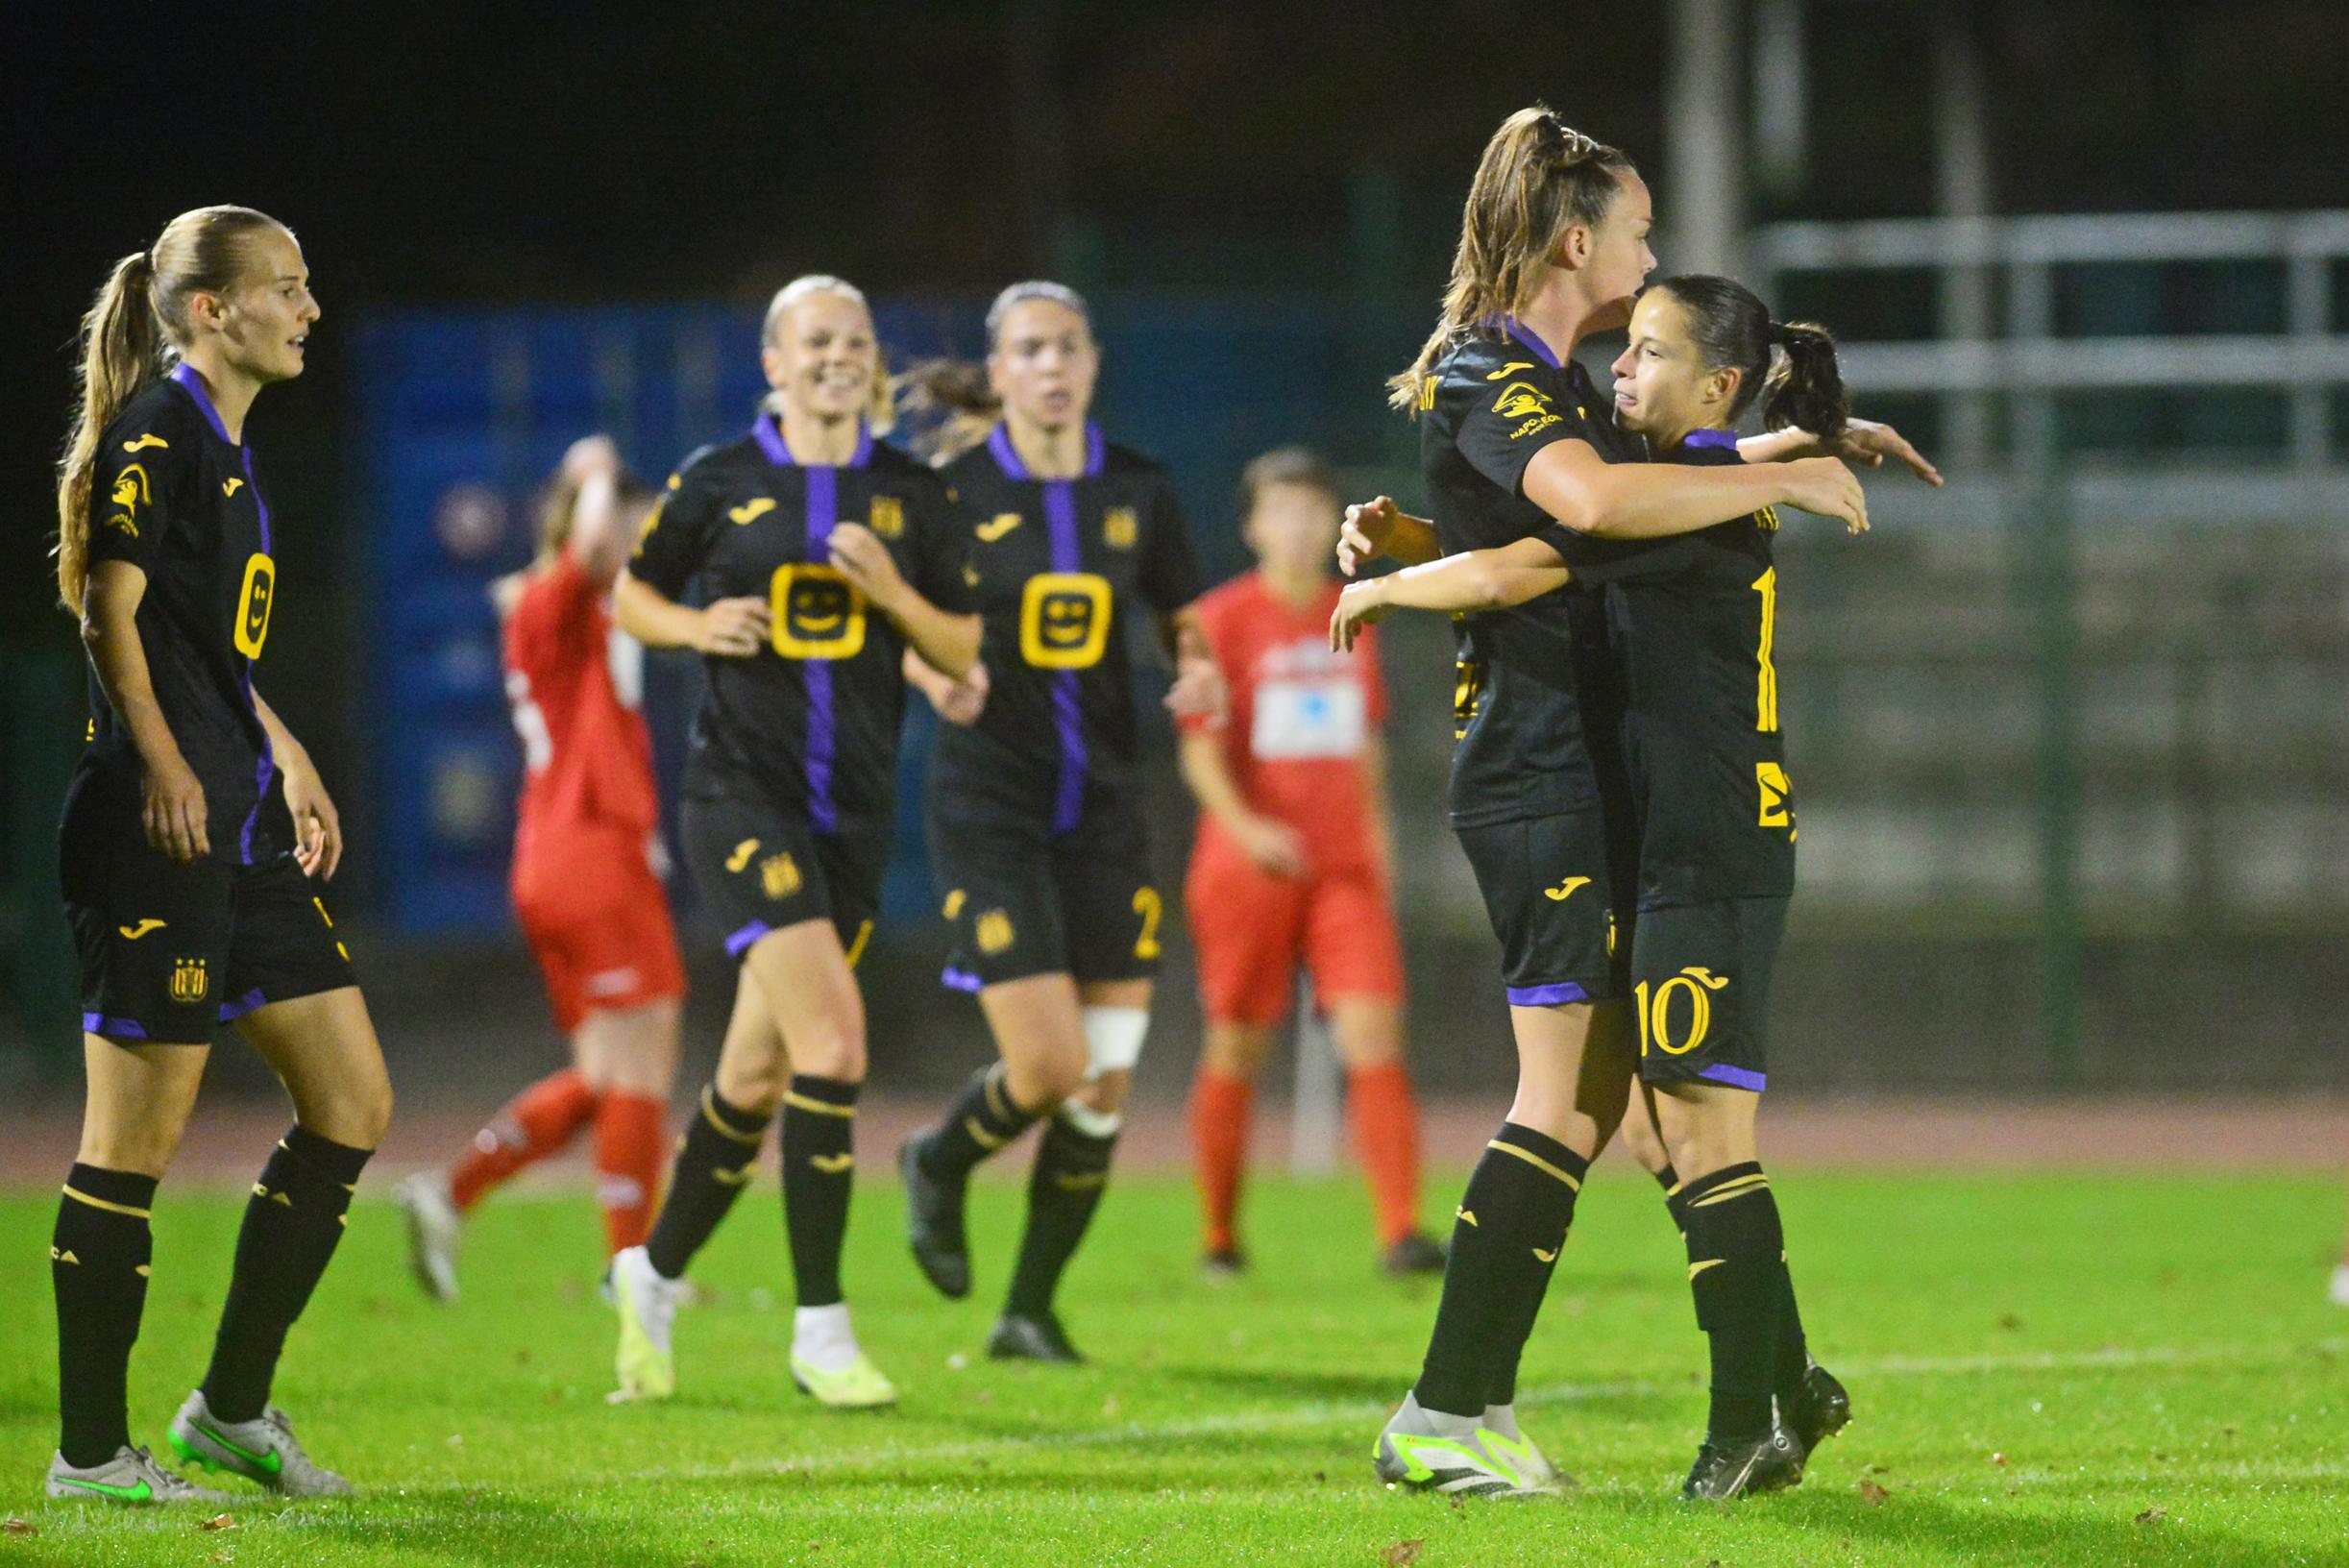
pixel 951 405
pixel 1733 329
pixel 1806 387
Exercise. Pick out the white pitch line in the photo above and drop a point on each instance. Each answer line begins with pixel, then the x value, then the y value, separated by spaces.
pixel 1335 1413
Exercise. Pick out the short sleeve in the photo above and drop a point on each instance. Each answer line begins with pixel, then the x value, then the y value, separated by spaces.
pixel 138 484
pixel 1502 425
pixel 1597 561
pixel 939 548
pixel 1170 576
pixel 678 534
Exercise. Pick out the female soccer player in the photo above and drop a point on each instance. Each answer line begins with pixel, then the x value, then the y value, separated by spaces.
pixel 819 557
pixel 1041 843
pixel 1290 861
pixel 1694 620
pixel 196 845
pixel 586 878
pixel 1514 437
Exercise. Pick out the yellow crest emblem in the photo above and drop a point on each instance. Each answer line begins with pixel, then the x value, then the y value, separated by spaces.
pixel 189 981
pixel 1520 400
pixel 994 931
pixel 779 875
pixel 888 516
pixel 1119 529
pixel 954 904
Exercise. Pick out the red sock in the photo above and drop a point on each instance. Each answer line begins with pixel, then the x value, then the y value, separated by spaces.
pixel 1387 1135
pixel 1219 1107
pixel 533 1124
pixel 631 1146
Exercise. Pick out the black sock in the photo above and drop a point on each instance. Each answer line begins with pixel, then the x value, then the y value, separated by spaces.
pixel 1065 1187
pixel 983 1118
pixel 1794 1358
pixel 98 1259
pixel 818 1171
pixel 713 1165
pixel 1669 1180
pixel 1512 1224
pixel 1735 1266
pixel 293 1222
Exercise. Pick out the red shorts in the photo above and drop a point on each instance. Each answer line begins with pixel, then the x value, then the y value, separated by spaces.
pixel 598 919
pixel 1250 928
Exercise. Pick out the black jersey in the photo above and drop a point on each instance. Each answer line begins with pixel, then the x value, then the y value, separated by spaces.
pixel 172 495
pixel 1056 562
pixel 1693 619
pixel 809 723
pixel 1536 690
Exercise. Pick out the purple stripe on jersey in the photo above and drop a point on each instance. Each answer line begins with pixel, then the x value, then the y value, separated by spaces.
pixel 740 941
pixel 1547 995
pixel 193 385
pixel 954 979
pixel 231 1012
pixel 1735 1077
pixel 1709 438
pixel 823 512
pixel 1525 335
pixel 1061 528
pixel 96 1023
pixel 1006 457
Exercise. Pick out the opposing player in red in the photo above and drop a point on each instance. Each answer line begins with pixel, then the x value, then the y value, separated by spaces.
pixel 586 879
pixel 1290 862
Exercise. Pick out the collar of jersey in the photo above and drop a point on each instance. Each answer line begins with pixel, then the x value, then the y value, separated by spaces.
pixel 192 384
pixel 1531 339
pixel 769 434
pixel 1006 457
pixel 1709 438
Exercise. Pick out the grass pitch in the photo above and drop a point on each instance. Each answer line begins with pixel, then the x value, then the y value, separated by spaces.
pixel 2091 1369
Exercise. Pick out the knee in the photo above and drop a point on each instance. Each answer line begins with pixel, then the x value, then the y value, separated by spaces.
pixel 1106 1093
pixel 141 1150
pixel 1046 1078
pixel 837 1054
pixel 1233 1051
pixel 756 1087
pixel 355 1115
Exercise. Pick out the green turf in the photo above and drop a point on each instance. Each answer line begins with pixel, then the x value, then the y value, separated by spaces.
pixel 2036 1362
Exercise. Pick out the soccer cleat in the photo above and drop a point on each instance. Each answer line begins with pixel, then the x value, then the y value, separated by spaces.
pixel 433 1225
pixel 263 1450
pixel 1414 1254
pixel 860 1386
pixel 1019 1337
pixel 1820 1410
pixel 1223 1263
pixel 1766 1465
pixel 131 1479
pixel 933 1224
pixel 1411 1452
pixel 2341 1284
pixel 648 1307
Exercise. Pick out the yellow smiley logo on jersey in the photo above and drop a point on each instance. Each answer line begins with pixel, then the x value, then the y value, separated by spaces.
pixel 1521 400
pixel 1002 524
pixel 750 511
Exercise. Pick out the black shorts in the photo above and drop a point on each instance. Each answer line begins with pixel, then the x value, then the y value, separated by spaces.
pixel 761 870
pixel 1701 982
pixel 1552 901
pixel 1023 902
pixel 170 951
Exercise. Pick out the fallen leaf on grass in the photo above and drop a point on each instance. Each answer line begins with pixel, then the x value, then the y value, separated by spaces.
pixel 2153 1516
pixel 1872 1494
pixel 1997 1459
pixel 224 1556
pixel 1403 1554
pixel 218 1521
pixel 20 1527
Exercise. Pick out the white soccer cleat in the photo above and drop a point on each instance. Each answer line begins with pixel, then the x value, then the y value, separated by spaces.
pixel 647 1305
pixel 130 1479
pixel 264 1450
pixel 434 1226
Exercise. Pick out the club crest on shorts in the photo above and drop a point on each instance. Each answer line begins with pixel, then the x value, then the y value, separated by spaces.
pixel 993 931
pixel 191 982
pixel 779 875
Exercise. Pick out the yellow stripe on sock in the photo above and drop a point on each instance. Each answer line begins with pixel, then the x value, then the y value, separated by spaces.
pixel 981 1136
pixel 709 1109
pixel 1538 1162
pixel 1743 1187
pixel 109 1208
pixel 1697 1268
pixel 821 1107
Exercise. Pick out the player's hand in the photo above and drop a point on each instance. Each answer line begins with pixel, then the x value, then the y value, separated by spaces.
pixel 591 455
pixel 960 701
pixel 1868 442
pixel 1198 690
pixel 1365 532
pixel 732 628
pixel 1276 848
pixel 859 555
pixel 174 812
pixel 1825 486
pixel 318 828
pixel 1361 605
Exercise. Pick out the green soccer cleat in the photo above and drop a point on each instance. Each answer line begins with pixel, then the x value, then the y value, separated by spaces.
pixel 648 1307
pixel 857 1386
pixel 1725 1471
pixel 1412 1453
pixel 1501 1438
pixel 130 1479
pixel 263 1450
pixel 434 1226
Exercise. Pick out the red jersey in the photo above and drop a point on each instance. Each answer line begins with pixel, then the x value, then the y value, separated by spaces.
pixel 1301 717
pixel 573 679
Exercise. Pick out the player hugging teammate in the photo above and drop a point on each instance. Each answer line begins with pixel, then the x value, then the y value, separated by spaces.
pixel 1632 836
